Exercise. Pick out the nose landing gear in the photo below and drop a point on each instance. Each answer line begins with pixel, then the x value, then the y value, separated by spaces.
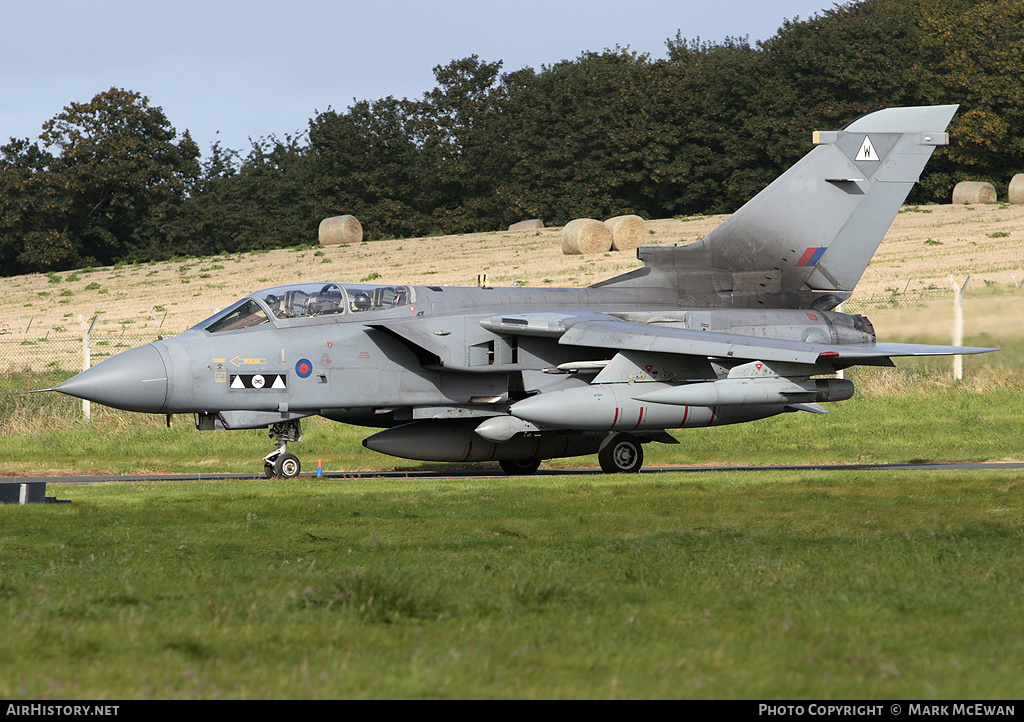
pixel 279 463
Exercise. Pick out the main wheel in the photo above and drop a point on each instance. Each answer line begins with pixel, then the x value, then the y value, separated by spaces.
pixel 621 454
pixel 519 468
pixel 287 466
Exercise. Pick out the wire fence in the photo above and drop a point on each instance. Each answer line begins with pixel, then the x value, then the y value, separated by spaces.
pixel 27 355
pixel 867 302
pixel 863 303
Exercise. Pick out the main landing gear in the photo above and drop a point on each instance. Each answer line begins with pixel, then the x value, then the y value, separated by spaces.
pixel 620 454
pixel 519 468
pixel 279 463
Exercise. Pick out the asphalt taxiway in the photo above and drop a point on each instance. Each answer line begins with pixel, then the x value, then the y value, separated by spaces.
pixel 543 471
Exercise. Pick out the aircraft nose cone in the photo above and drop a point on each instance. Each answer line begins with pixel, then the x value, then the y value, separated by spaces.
pixel 133 380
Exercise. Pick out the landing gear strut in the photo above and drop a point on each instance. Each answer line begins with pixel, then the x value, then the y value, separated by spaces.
pixel 279 463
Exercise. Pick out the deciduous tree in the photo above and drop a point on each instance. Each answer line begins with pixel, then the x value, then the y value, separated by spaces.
pixel 103 180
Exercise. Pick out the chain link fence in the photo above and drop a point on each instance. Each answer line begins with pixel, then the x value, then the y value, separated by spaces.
pixel 24 357
pixel 918 298
pixel 911 299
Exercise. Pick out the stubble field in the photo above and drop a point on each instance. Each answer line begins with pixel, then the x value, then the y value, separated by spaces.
pixel 924 246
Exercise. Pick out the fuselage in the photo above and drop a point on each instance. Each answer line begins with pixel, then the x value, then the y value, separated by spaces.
pixel 377 355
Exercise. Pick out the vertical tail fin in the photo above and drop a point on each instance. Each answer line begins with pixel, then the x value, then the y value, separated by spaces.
pixel 816 227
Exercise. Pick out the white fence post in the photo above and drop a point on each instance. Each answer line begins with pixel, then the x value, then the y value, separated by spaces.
pixel 87 359
pixel 958 324
pixel 841 308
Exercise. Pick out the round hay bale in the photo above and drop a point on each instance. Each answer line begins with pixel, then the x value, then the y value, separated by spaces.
pixel 1016 194
pixel 974 192
pixel 532 224
pixel 340 229
pixel 628 232
pixel 585 235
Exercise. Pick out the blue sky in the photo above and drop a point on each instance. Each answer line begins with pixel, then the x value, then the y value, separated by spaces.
pixel 262 67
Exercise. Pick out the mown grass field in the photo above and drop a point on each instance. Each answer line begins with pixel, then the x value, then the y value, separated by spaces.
pixel 725 585
pixel 861 585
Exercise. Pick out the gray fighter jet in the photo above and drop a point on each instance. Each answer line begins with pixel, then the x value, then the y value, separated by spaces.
pixel 736 327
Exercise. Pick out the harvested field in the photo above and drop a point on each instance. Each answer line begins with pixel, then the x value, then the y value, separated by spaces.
pixel 924 246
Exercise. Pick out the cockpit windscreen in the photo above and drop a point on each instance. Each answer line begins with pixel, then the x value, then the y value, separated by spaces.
pixel 307 300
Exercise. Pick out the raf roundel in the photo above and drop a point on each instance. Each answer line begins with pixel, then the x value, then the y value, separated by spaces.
pixel 304 368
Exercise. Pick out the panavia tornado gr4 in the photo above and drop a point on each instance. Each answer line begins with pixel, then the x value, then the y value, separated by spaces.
pixel 736 327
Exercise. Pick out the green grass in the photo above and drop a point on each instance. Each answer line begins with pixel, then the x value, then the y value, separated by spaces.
pixel 860 585
pixel 760 585
pixel 935 425
pixel 913 413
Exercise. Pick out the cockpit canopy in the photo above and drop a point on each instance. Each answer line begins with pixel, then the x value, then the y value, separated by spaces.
pixel 306 300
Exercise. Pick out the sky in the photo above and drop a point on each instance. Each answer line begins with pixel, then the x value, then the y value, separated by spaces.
pixel 234 71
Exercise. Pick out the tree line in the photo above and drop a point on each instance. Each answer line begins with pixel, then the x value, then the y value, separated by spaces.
pixel 699 131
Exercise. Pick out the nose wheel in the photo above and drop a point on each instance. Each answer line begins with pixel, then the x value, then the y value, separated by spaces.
pixel 279 463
